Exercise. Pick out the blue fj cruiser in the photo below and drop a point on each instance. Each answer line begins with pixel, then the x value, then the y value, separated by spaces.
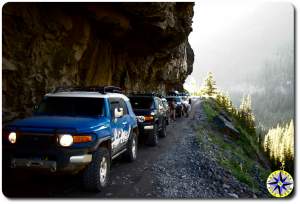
pixel 74 130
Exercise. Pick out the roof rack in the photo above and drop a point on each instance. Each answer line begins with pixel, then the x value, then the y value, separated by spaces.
pixel 100 89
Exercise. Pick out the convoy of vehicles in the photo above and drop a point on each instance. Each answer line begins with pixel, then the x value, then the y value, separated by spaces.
pixel 81 130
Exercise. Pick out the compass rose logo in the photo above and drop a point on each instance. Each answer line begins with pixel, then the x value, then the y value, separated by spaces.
pixel 280 183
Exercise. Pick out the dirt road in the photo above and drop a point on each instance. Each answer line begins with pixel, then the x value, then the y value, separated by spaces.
pixel 176 168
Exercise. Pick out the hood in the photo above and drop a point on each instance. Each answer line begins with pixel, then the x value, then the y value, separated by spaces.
pixel 52 123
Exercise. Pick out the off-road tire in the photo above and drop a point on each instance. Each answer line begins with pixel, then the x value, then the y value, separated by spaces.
pixel 91 175
pixel 153 138
pixel 129 155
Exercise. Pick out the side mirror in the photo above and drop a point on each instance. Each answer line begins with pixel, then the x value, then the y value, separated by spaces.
pixel 119 112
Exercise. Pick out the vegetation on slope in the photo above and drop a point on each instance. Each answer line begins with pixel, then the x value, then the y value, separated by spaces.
pixel 277 143
pixel 241 157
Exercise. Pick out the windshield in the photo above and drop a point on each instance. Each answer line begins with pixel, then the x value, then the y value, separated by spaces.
pixel 142 102
pixel 71 106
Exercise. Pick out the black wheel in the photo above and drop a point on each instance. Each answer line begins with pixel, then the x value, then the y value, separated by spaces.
pixel 163 131
pixel 153 137
pixel 132 146
pixel 96 175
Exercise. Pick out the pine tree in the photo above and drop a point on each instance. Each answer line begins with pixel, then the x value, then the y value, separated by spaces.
pixel 279 145
pixel 246 115
pixel 209 87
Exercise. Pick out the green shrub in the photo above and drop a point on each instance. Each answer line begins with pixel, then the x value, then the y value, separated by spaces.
pixel 209 111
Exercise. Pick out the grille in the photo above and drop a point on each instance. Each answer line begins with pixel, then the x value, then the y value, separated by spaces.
pixel 35 140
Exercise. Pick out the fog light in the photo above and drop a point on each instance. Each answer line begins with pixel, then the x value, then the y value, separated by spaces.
pixel 65 140
pixel 12 137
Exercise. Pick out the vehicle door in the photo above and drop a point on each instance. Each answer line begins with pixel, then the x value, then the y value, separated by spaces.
pixel 125 123
pixel 116 125
pixel 160 111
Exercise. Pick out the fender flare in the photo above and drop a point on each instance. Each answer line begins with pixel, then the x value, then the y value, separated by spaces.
pixel 100 141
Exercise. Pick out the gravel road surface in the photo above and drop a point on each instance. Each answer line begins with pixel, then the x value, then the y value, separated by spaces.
pixel 176 168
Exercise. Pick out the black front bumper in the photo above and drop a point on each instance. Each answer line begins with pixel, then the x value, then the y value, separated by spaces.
pixel 52 159
pixel 146 128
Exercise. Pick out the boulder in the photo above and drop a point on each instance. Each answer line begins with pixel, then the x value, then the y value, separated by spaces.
pixel 226 126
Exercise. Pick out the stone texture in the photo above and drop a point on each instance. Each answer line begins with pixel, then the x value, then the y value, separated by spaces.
pixel 137 46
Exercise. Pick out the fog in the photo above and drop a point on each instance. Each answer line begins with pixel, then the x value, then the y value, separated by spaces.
pixel 249 48
pixel 233 39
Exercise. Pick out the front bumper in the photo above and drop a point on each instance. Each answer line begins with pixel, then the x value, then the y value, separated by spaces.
pixel 146 128
pixel 53 160
pixel 33 164
pixel 28 163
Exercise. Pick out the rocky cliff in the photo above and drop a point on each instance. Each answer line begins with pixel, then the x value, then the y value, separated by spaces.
pixel 137 46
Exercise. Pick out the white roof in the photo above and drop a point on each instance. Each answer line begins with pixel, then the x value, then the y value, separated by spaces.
pixel 87 94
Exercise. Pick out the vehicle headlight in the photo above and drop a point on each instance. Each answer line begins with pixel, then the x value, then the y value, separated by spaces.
pixel 12 137
pixel 153 112
pixel 65 140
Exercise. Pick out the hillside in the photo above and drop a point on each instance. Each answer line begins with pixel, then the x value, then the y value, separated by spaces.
pixel 228 143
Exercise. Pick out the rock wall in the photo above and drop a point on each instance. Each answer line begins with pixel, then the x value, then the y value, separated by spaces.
pixel 137 46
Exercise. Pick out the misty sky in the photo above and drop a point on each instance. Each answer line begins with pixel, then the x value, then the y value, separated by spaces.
pixel 233 39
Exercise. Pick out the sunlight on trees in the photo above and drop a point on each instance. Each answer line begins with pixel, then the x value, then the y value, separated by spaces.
pixel 209 86
pixel 279 143
pixel 246 114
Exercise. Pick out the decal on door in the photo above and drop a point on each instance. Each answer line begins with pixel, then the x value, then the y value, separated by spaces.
pixel 125 135
pixel 120 136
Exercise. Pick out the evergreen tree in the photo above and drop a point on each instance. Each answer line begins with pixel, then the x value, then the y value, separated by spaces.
pixel 209 87
pixel 279 145
pixel 246 115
